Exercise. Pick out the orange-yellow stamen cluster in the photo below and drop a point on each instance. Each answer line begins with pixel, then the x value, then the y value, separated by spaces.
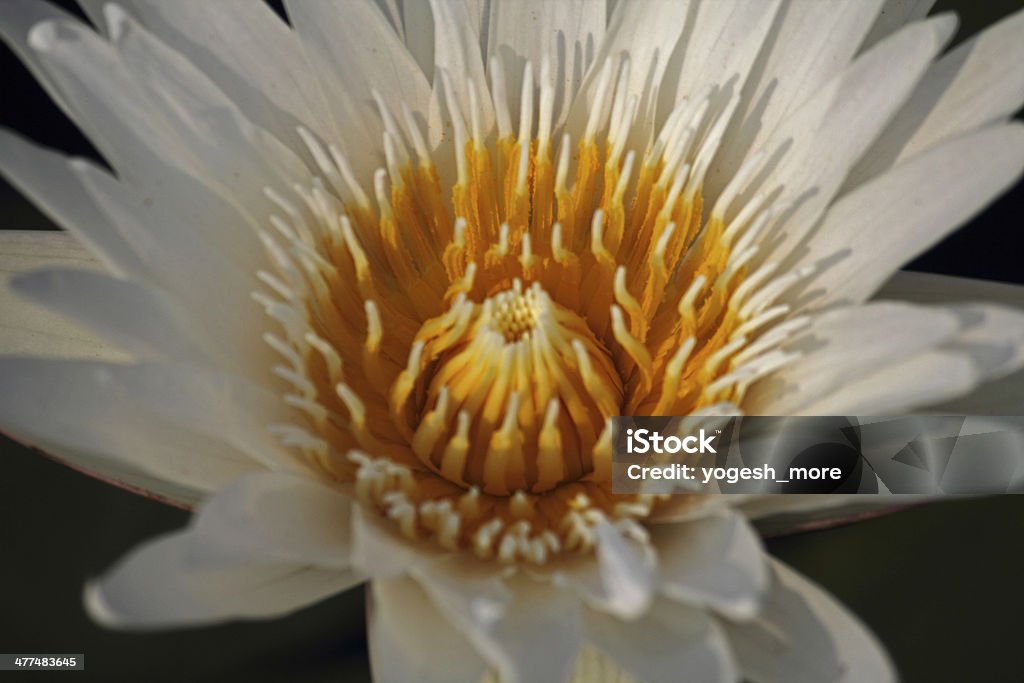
pixel 457 347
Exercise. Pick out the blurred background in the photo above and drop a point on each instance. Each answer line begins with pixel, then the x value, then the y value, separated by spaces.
pixel 939 584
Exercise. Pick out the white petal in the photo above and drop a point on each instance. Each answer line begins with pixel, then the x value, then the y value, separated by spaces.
pixel 852 365
pixel 844 345
pixel 167 583
pixel 925 379
pixel 833 129
pixel 993 336
pixel 247 50
pixel 144 107
pixel 812 43
pixel 411 640
pixel 419 34
pixel 627 570
pixel 142 320
pixel 536 637
pixel 976 84
pixel 354 51
pixel 670 643
pixel 379 551
pixel 723 40
pixel 393 11
pixel 894 15
pixel 466 589
pixel 29 329
pixel 459 28
pixel 716 562
pixel 648 33
pixel 803 635
pixel 46 177
pixel 260 548
pixel 621 582
pixel 1001 397
pixel 929 288
pixel 171 430
pixel 211 131
pixel 566 34
pixel 16 21
pixel 180 235
pixel 280 516
pixel 867 234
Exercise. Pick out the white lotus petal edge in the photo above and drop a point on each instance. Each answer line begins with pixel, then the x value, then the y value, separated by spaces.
pixel 365 286
pixel 833 645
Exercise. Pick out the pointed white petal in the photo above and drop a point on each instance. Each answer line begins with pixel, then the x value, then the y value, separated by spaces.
pixel 411 639
pixel 459 30
pixel 245 49
pixel 850 348
pixel 811 43
pixel 929 288
pixel 209 131
pixel 627 571
pixel 647 32
pixel 803 635
pixel 393 11
pixel 894 15
pixel 185 230
pixel 168 583
pixel 833 129
pixel 355 51
pixel 993 336
pixel 154 236
pixel 716 562
pixel 867 234
pixel 670 643
pixel 145 107
pixel 536 637
pixel 621 582
pixel 16 22
pixel 142 320
pixel 844 345
pixel 379 551
pixel 723 42
pixel 28 329
pixel 978 83
pixel 279 516
pixel 465 589
pixel 260 548
pixel 1001 397
pixel 419 34
pixel 177 431
pixel 566 34
pixel 45 176
pixel 925 379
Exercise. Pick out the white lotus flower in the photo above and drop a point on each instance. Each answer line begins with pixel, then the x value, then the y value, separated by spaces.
pixel 372 286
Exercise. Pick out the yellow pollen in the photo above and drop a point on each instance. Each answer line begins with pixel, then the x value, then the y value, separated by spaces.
pixel 457 350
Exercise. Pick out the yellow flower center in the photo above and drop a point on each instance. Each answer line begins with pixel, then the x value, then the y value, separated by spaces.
pixel 507 395
pixel 457 354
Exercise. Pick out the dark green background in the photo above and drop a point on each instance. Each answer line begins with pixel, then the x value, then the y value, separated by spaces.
pixel 940 584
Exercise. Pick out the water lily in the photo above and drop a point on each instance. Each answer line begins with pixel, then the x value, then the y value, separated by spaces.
pixel 365 288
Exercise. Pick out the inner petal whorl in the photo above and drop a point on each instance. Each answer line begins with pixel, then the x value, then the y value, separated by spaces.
pixel 509 394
